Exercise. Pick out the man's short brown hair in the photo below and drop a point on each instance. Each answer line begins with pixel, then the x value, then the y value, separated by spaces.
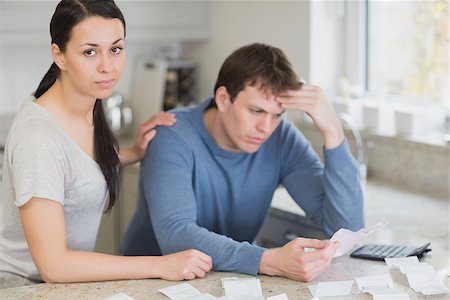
pixel 257 64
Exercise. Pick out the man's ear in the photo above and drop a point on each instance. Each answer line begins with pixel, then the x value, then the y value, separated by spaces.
pixel 58 56
pixel 222 98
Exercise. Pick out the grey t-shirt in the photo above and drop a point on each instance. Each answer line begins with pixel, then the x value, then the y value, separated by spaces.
pixel 41 160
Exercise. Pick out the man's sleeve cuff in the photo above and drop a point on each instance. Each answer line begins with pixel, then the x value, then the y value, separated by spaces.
pixel 339 153
pixel 250 258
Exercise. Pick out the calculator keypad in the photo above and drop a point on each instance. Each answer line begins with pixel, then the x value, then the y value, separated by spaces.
pixel 379 252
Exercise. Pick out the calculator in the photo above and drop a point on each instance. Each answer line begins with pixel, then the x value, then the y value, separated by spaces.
pixel 380 252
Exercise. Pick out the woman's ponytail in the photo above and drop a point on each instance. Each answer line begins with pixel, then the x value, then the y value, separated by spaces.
pixel 47 81
pixel 106 152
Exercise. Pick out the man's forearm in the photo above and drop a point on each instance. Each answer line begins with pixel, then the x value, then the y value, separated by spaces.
pixel 227 254
pixel 344 198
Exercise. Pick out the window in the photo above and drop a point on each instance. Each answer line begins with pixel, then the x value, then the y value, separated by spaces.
pixel 397 60
pixel 407 50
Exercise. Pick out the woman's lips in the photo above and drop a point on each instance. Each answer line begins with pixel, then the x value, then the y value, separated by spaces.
pixel 105 83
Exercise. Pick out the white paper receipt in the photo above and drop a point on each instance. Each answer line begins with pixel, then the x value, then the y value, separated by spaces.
pixel 332 288
pixel 278 297
pixel 119 296
pixel 380 284
pixel 180 291
pixel 242 286
pixel 422 277
pixel 349 239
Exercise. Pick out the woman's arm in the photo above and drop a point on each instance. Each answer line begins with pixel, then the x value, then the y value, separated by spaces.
pixel 45 231
pixel 145 134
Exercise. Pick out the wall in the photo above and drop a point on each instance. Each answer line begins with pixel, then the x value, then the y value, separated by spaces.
pixel 154 28
pixel 284 24
pixel 22 68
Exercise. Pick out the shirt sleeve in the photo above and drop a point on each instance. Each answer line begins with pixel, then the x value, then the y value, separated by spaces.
pixel 330 193
pixel 36 163
pixel 167 172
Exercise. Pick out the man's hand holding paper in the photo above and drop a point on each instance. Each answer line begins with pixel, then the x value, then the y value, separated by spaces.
pixel 294 261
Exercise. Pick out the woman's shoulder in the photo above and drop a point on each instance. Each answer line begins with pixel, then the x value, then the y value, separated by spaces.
pixel 32 113
pixel 34 124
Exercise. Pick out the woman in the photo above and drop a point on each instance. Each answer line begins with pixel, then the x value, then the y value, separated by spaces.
pixel 62 162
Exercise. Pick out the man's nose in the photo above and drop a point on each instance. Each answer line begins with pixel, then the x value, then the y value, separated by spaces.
pixel 265 124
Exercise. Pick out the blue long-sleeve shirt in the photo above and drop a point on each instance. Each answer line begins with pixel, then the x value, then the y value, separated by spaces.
pixel 194 194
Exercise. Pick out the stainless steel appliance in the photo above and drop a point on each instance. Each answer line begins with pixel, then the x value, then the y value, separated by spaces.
pixel 118 114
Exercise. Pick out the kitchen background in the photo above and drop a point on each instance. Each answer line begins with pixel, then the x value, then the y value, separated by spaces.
pixel 404 145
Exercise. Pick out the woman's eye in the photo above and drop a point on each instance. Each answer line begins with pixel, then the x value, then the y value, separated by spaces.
pixel 89 52
pixel 116 50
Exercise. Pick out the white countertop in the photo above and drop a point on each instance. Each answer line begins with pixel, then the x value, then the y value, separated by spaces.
pixel 413 219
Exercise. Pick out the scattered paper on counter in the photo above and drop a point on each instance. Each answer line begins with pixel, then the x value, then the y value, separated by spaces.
pixel 235 289
pixel 418 267
pixel 349 239
pixel 279 297
pixel 242 286
pixel 422 277
pixel 380 284
pixel 201 297
pixel 394 295
pixel 225 279
pixel 241 298
pixel 396 263
pixel 426 283
pixel 180 291
pixel 332 288
pixel 119 296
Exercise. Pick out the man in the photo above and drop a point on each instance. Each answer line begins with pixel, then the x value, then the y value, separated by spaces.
pixel 207 182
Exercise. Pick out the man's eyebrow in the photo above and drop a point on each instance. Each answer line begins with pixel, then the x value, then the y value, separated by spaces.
pixel 257 107
pixel 263 110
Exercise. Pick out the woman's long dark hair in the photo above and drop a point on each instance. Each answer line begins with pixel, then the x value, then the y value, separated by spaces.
pixel 69 13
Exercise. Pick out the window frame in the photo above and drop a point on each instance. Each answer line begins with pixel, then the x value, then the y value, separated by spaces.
pixel 356 69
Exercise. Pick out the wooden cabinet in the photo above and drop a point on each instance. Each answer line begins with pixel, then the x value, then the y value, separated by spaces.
pixel 114 224
pixel 27 22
